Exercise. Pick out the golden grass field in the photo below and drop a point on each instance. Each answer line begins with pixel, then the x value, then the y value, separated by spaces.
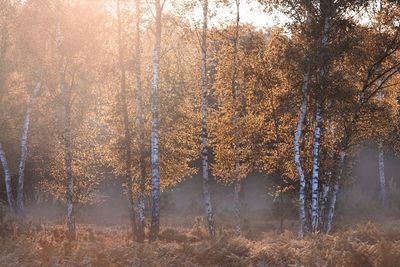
pixel 44 244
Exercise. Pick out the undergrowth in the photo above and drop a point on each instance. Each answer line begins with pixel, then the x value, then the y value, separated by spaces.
pixel 27 244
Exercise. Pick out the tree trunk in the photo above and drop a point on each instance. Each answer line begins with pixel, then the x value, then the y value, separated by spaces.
pixel 24 148
pixel 204 127
pixel 235 88
pixel 382 179
pixel 7 180
pixel 335 192
pixel 236 201
pixel 315 170
pixel 323 201
pixel 67 139
pixel 281 212
pixel 317 134
pixel 140 125
pixel 127 131
pixel 155 174
pixel 381 159
pixel 3 66
pixel 297 160
pixel 298 133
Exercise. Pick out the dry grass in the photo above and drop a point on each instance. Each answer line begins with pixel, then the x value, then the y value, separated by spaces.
pixel 46 245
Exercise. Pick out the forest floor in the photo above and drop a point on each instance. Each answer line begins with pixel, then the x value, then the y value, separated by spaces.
pixel 45 244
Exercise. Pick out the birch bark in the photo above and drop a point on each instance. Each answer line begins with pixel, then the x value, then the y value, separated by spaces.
pixel 204 127
pixel 7 180
pixel 382 179
pixel 315 170
pixel 297 159
pixel 381 159
pixel 298 134
pixel 335 192
pixel 24 148
pixel 140 125
pixel 7 174
pixel 317 134
pixel 155 174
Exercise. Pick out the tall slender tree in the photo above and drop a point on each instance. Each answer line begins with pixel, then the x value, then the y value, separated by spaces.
pixel 204 126
pixel 8 182
pixel 352 131
pixel 381 160
pixel 155 172
pixel 299 129
pixel 322 73
pixel 4 49
pixel 24 146
pixel 140 122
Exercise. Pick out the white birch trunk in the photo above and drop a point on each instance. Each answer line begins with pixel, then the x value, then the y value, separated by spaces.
pixel 24 148
pixel 3 159
pixel 382 179
pixel 155 174
pixel 335 192
pixel 298 134
pixel 127 131
pixel 297 158
pixel 204 127
pixel 140 125
pixel 315 171
pixel 7 180
pixel 381 160
pixel 317 136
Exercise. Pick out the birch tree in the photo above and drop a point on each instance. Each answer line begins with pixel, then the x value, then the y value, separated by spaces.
pixel 179 120
pixel 75 91
pixel 140 123
pixel 381 160
pixel 36 57
pixel 355 123
pixel 305 21
pixel 325 9
pixel 8 182
pixel 4 70
pixel 155 173
pixel 24 146
pixel 204 123
pixel 298 134
pixel 4 45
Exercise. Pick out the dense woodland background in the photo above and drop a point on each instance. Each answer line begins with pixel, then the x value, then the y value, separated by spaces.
pixel 125 112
